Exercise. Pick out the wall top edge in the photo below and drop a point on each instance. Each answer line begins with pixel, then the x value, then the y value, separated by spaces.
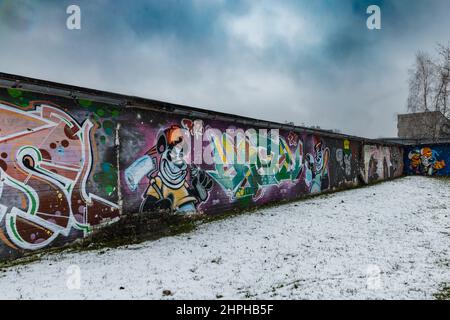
pixel 428 144
pixel 127 101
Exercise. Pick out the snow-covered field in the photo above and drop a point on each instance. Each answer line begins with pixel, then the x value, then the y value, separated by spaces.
pixel 388 241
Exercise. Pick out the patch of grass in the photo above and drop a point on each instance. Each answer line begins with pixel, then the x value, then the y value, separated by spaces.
pixel 445 180
pixel 443 263
pixel 106 238
pixel 444 293
pixel 20 261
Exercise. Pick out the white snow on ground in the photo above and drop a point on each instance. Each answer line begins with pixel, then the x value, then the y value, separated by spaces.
pixel 330 247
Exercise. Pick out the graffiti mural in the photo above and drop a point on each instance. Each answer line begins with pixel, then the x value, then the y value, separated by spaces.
pixel 46 159
pixel 69 166
pixel 168 171
pixel 382 162
pixel 247 166
pixel 316 177
pixel 273 162
pixel 426 161
pixel 344 159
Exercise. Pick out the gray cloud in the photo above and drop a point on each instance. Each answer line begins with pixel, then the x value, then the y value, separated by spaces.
pixel 309 62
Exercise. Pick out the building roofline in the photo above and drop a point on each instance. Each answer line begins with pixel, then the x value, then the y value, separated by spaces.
pixel 419 113
pixel 128 101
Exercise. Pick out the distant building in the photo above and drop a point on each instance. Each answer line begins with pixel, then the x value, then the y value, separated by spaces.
pixel 430 126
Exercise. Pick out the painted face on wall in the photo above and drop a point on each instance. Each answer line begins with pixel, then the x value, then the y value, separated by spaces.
pixel 173 168
pixel 427 157
pixel 320 178
pixel 415 159
pixel 174 185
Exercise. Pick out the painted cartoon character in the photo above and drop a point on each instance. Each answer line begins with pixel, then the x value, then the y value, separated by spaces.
pixel 169 188
pixel 317 178
pixel 424 161
pixel 414 158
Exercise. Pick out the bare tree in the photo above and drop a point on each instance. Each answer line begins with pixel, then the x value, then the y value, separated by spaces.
pixel 429 90
pixel 443 80
pixel 421 81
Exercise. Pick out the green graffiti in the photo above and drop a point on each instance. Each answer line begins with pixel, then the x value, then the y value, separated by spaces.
pixel 100 112
pixel 85 103
pixel 107 178
pixel 15 93
pixel 243 179
pixel 108 127
pixel 17 97
pixel 115 113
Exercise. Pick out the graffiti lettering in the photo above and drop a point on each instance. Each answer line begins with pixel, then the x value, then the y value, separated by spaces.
pixel 246 177
pixel 46 160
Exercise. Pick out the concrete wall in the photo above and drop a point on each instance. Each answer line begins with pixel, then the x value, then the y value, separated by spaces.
pixel 382 162
pixel 423 125
pixel 69 166
pixel 427 159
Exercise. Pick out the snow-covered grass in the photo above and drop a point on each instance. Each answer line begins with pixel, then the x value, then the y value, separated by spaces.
pixel 389 241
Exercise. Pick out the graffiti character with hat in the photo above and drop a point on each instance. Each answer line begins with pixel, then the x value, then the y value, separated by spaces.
pixel 169 189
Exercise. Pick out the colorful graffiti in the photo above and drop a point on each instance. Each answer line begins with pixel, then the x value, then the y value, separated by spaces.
pixel 169 188
pixel 65 171
pixel 267 163
pixel 317 178
pixel 46 159
pixel 424 161
pixel 344 159
pixel 251 166
pixel 381 162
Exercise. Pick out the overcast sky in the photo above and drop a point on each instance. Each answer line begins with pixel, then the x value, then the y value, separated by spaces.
pixel 310 62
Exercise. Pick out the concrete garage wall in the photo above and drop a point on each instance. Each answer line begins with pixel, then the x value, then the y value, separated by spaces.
pixel 305 164
pixel 70 165
pixel 427 160
pixel 382 162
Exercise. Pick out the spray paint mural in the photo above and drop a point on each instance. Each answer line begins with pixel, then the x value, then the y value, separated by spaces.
pixel 344 157
pixel 246 166
pixel 258 163
pixel 69 166
pixel 46 159
pixel 317 178
pixel 427 160
pixel 168 172
pixel 382 162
